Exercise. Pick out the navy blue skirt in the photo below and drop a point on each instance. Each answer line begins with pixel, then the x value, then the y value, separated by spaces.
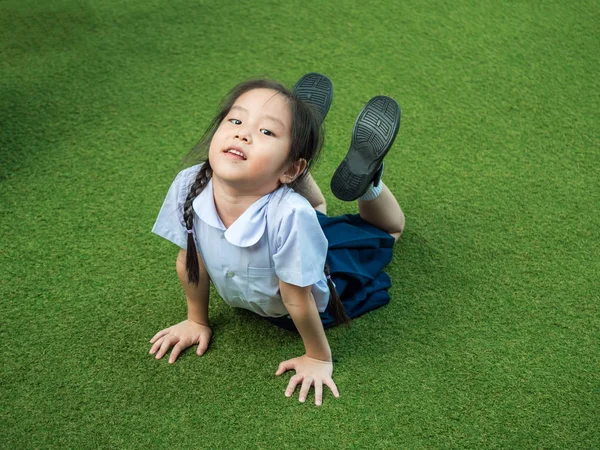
pixel 357 255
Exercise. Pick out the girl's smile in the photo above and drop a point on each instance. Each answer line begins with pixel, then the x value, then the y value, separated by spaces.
pixel 236 153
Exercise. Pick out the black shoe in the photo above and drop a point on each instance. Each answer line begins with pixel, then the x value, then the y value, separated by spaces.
pixel 316 90
pixel 374 132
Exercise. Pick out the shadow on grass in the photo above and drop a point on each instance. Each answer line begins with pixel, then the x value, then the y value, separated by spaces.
pixel 22 132
pixel 416 313
pixel 39 42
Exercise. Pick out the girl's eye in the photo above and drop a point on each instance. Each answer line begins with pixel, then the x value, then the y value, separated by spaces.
pixel 235 121
pixel 267 132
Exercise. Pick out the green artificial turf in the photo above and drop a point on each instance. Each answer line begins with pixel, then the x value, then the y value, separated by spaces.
pixel 492 337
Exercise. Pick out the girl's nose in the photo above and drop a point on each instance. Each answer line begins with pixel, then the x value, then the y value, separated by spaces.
pixel 243 135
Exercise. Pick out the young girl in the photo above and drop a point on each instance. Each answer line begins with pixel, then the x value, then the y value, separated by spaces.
pixel 240 222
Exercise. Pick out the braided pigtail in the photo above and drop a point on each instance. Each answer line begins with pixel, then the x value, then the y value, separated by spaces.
pixel 191 262
pixel 335 306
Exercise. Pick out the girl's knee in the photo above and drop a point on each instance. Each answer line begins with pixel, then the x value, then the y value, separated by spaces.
pixel 399 230
pixel 396 236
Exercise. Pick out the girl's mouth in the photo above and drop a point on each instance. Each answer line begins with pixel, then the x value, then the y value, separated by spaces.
pixel 235 153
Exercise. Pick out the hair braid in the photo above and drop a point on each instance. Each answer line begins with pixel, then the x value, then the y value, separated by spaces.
pixel 191 261
pixel 335 306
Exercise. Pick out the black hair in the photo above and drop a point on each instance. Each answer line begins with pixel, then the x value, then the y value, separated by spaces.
pixel 306 143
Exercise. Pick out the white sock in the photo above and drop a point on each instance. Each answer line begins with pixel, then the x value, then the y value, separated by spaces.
pixel 372 192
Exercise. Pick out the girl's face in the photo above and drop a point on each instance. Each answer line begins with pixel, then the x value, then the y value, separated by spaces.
pixel 251 146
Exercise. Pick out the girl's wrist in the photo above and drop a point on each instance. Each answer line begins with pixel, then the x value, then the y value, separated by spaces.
pixel 320 356
pixel 197 313
pixel 199 321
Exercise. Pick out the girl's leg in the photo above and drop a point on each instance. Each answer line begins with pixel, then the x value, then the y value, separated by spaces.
pixel 374 133
pixel 308 188
pixel 383 212
pixel 316 90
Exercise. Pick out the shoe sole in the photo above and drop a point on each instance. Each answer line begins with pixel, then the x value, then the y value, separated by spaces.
pixel 316 90
pixel 374 133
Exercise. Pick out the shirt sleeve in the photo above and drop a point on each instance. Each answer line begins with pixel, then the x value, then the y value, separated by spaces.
pixel 301 248
pixel 169 223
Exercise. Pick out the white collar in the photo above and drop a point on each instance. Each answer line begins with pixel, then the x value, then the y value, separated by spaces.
pixel 246 230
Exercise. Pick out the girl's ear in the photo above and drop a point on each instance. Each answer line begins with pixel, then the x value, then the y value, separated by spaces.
pixel 293 172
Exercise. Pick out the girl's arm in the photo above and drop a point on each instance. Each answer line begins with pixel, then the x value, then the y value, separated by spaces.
pixel 196 296
pixel 302 308
pixel 194 330
pixel 315 367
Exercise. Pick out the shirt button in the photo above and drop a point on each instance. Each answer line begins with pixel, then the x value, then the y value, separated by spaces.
pixel 223 236
pixel 230 274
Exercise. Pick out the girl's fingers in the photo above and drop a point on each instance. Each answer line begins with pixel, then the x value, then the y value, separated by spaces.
pixel 294 381
pixel 284 367
pixel 166 344
pixel 203 345
pixel 160 334
pixel 318 392
pixel 329 382
pixel 306 384
pixel 156 346
pixel 177 349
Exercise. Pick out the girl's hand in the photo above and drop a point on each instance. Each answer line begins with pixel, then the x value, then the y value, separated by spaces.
pixel 309 371
pixel 181 336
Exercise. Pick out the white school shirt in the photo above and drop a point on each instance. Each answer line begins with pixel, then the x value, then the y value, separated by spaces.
pixel 277 237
